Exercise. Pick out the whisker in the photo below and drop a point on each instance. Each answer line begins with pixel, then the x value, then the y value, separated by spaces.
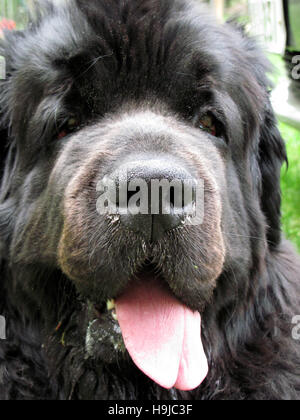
pixel 94 62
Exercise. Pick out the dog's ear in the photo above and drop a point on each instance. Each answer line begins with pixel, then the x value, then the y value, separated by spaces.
pixel 272 155
pixel 272 150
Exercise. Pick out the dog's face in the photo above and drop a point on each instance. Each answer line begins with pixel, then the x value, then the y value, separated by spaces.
pixel 158 90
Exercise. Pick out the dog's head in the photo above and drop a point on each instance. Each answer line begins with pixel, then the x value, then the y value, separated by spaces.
pixel 141 168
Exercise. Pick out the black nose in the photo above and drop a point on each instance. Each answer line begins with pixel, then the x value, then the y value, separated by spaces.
pixel 154 196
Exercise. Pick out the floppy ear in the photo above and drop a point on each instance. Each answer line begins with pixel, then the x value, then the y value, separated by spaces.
pixel 272 154
pixel 271 150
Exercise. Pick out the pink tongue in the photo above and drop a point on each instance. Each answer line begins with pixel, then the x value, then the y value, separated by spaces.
pixel 162 336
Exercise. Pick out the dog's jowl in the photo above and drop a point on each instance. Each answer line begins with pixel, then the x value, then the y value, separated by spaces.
pixel 141 251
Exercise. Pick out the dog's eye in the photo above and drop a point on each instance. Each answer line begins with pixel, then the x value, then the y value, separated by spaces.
pixel 207 122
pixel 67 128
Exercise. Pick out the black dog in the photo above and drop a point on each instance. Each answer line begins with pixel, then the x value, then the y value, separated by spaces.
pixel 158 88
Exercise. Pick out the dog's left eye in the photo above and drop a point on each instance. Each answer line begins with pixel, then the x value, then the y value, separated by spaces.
pixel 207 122
pixel 67 128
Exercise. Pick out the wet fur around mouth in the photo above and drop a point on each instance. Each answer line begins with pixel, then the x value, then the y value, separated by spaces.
pixel 137 77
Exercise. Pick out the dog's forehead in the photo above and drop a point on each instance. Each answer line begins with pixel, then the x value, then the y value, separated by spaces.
pixel 133 51
pixel 155 40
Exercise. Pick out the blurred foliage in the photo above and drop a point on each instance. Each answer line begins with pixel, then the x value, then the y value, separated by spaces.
pixel 14 9
pixel 294 12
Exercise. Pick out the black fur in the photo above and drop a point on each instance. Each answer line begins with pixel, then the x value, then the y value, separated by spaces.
pixel 100 60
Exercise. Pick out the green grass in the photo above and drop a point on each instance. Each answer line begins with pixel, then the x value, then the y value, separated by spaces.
pixel 290 184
